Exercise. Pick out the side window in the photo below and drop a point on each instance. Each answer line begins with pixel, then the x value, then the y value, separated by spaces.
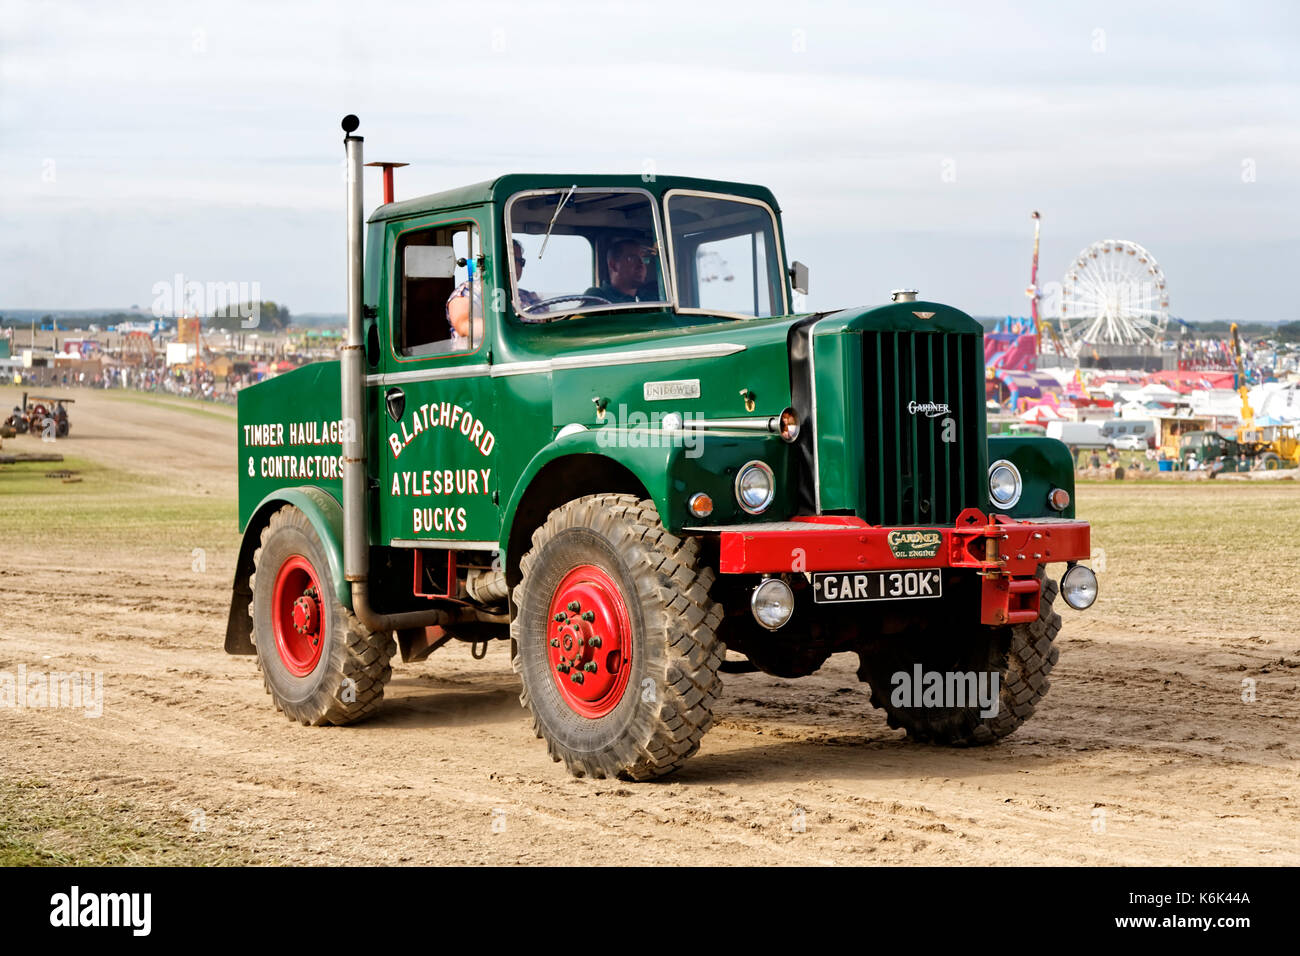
pixel 726 255
pixel 440 297
pixel 733 275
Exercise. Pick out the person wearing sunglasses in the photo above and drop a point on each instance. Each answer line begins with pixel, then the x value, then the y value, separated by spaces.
pixel 626 260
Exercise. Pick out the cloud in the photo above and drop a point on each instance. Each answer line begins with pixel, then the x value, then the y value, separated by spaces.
pixel 204 138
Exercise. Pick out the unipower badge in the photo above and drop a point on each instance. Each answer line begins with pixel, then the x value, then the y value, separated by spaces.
pixel 915 544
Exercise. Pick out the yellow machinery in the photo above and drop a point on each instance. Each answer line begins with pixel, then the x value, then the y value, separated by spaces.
pixel 1277 443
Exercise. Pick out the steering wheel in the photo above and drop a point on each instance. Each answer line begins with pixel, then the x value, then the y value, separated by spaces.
pixel 567 298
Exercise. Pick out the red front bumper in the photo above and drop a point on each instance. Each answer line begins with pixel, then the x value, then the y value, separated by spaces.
pixel 1005 551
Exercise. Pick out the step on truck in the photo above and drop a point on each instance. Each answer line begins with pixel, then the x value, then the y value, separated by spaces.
pixel 582 414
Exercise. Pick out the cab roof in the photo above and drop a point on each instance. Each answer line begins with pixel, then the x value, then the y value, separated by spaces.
pixel 503 187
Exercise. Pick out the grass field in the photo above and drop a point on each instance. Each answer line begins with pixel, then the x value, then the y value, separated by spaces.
pixel 41 825
pixel 193 406
pixel 106 505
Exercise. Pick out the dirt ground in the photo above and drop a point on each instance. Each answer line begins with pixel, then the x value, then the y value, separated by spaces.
pixel 1144 752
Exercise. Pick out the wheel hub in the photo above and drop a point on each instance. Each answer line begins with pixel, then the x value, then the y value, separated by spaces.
pixel 306 616
pixel 589 638
pixel 296 618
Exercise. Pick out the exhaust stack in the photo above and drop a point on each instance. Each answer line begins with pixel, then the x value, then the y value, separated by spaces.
pixel 356 544
pixel 388 177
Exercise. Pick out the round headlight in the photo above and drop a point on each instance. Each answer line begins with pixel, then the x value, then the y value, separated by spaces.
pixel 1079 587
pixel 772 603
pixel 1004 484
pixel 755 487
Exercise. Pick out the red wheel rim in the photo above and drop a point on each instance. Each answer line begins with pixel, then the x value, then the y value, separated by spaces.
pixel 589 641
pixel 296 616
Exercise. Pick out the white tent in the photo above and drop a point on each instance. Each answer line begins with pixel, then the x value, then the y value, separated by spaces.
pixel 1155 392
pixel 1042 413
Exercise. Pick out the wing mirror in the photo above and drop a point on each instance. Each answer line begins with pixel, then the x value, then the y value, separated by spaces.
pixel 799 277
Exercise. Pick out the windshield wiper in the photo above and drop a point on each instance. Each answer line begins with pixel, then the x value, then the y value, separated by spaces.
pixel 542 251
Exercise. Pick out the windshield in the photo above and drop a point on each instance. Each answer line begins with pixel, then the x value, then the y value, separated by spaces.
pixel 725 254
pixel 584 250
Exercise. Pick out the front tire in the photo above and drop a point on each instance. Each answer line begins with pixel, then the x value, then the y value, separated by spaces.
pixel 615 639
pixel 1022 657
pixel 320 664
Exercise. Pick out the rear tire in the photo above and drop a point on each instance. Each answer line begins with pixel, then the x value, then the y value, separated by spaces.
pixel 637 702
pixel 322 666
pixel 1022 656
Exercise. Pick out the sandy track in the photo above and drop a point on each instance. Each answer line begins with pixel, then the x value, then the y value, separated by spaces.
pixel 1145 722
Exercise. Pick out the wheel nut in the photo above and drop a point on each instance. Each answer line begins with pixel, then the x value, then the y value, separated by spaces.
pixel 559 618
pixel 593 641
pixel 589 616
pixel 590 667
pixel 575 607
pixel 555 642
pixel 576 677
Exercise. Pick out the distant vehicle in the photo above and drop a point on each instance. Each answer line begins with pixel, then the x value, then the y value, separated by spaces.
pixel 1218 453
pixel 1078 435
pixel 44 414
pixel 1028 428
pixel 1129 443
pixel 1143 428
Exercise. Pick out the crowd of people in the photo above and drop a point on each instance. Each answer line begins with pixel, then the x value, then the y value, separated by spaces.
pixel 201 383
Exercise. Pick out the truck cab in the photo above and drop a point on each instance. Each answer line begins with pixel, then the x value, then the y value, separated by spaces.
pixel 580 413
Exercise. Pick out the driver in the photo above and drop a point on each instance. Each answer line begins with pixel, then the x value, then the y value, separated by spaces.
pixel 626 260
pixel 468 298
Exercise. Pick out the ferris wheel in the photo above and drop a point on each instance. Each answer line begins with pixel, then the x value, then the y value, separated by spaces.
pixel 1114 294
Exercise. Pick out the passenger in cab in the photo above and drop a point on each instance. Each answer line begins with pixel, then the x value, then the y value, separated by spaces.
pixel 467 300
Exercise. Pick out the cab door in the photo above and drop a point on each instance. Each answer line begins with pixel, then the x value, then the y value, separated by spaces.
pixel 440 426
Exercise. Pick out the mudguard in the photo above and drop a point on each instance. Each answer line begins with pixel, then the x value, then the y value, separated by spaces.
pixel 326 517
pixel 1044 464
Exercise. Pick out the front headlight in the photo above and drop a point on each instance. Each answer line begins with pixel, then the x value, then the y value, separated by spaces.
pixel 755 487
pixel 1004 484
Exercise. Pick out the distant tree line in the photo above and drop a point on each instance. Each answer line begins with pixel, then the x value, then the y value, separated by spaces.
pixel 1283 332
pixel 271 317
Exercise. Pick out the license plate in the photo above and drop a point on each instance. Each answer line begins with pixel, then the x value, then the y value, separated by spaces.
pixel 845 586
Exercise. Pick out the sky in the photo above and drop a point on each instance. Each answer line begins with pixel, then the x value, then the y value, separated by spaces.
pixel 907 143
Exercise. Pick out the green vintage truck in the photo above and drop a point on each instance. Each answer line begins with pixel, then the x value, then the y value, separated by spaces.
pixel 580 413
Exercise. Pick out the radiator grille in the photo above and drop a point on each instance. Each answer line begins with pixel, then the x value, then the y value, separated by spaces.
pixel 922 465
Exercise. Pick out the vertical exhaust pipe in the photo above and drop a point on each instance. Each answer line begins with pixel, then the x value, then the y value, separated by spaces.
pixel 356 558
pixel 356 544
